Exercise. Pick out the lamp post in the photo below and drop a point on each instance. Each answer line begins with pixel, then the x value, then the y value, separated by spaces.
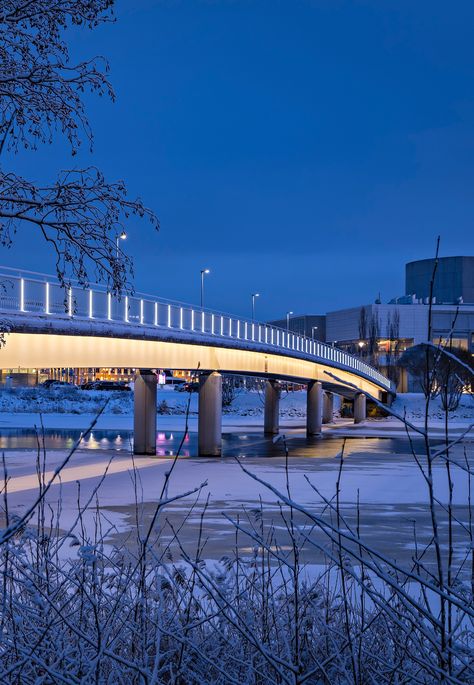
pixel 121 236
pixel 254 295
pixel 313 328
pixel 288 314
pixel 203 271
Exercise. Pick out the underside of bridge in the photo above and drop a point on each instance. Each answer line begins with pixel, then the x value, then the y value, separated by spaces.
pixel 47 350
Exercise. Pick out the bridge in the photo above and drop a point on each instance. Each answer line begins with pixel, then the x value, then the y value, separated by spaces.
pixel 50 326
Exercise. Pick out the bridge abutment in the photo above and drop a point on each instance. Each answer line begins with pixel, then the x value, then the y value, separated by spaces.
pixel 144 415
pixel 360 408
pixel 328 407
pixel 210 415
pixel 271 424
pixel 314 408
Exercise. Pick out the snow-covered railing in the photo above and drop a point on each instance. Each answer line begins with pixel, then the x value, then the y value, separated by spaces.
pixel 33 293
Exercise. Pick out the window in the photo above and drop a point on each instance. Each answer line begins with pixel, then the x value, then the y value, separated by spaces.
pixel 456 340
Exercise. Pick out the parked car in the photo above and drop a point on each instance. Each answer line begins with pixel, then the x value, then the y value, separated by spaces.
pixel 88 386
pixel 106 385
pixel 174 380
pixel 52 384
pixel 192 386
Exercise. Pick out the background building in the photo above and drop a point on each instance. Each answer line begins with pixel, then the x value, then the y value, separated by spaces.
pixel 380 333
pixel 311 325
pixel 454 282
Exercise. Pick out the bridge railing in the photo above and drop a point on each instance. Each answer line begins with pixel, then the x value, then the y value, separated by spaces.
pixel 45 296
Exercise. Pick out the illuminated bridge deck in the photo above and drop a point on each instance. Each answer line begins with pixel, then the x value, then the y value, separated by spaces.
pixel 51 326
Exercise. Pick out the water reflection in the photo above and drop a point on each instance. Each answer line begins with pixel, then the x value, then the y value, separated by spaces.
pixel 242 445
pixel 25 438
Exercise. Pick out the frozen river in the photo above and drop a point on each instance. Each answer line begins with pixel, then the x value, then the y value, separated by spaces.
pixel 381 474
pixel 239 444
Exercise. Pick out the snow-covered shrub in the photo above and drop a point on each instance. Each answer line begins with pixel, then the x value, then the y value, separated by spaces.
pixel 163 407
pixel 74 608
pixel 64 400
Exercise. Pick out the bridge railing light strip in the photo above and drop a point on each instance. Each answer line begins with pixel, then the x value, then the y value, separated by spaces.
pixel 22 294
pixel 40 296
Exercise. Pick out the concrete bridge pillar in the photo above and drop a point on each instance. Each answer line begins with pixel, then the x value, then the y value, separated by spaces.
pixel 360 408
pixel 210 415
pixel 144 416
pixel 328 407
pixel 271 424
pixel 314 408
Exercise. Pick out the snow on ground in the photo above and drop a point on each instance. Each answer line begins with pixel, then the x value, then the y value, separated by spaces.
pixel 170 402
pixel 72 408
pixel 414 405
pixel 63 401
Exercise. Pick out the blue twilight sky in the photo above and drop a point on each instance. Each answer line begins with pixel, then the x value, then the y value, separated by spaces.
pixel 304 149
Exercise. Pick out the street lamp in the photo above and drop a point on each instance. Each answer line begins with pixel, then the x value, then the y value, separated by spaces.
pixel 118 237
pixel 313 328
pixel 203 271
pixel 288 314
pixel 254 295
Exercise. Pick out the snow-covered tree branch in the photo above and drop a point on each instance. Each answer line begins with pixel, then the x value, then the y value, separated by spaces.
pixel 41 95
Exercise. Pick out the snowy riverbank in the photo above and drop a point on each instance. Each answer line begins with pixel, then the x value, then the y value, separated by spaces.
pixel 71 408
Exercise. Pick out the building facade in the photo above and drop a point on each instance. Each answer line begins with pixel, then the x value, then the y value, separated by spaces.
pixel 454 280
pixel 380 333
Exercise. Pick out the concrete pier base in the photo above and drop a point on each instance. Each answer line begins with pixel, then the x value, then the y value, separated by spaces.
pixel 271 424
pixel 360 408
pixel 328 407
pixel 210 415
pixel 314 408
pixel 144 414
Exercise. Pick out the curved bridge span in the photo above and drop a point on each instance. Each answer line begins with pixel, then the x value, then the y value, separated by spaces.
pixel 50 326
